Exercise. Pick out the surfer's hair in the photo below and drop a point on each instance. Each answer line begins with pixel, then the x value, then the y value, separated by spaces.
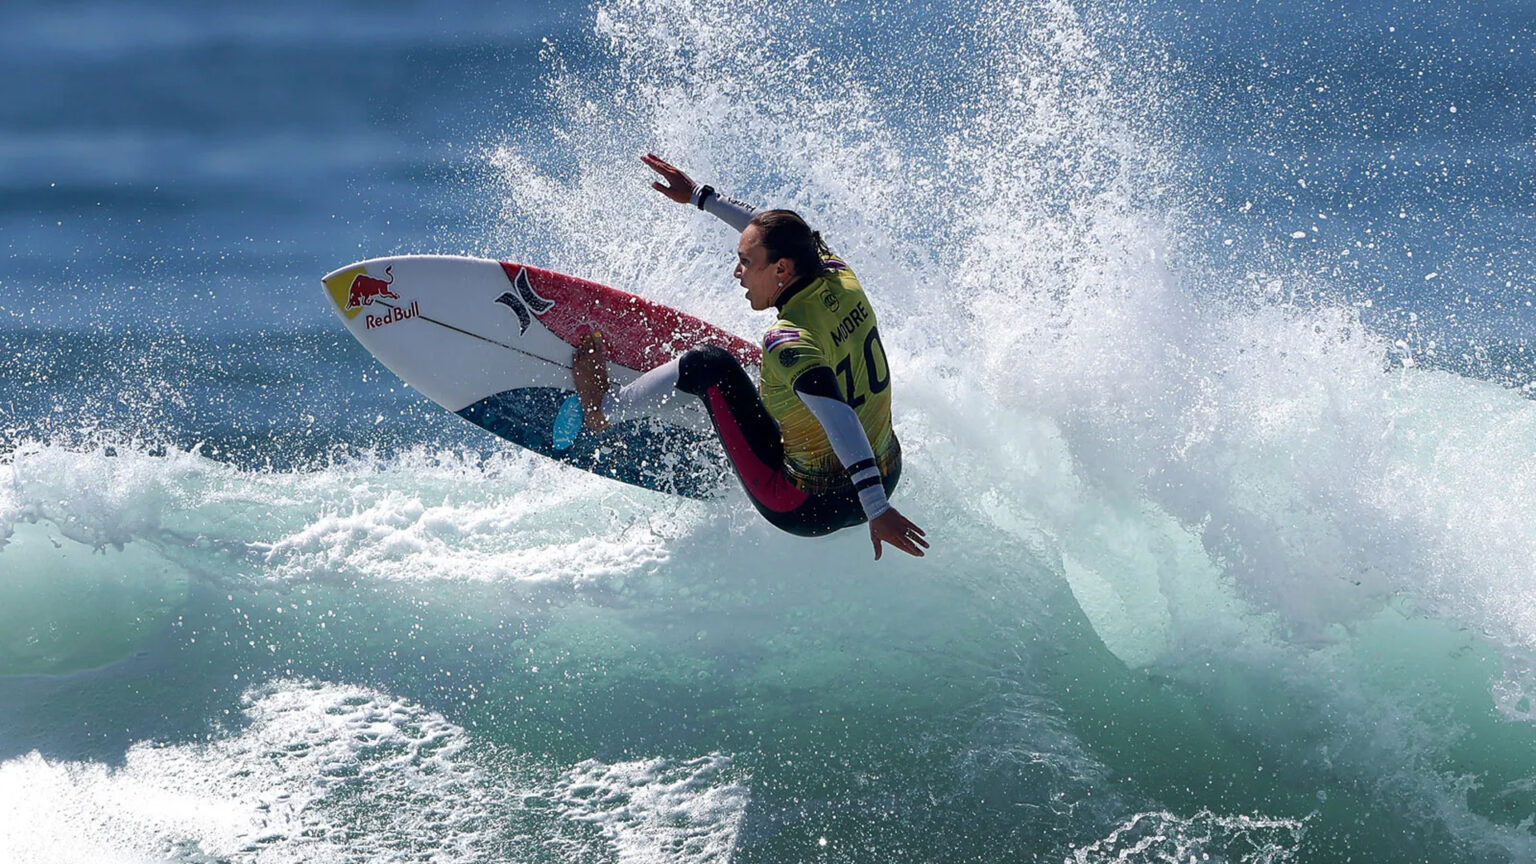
pixel 785 235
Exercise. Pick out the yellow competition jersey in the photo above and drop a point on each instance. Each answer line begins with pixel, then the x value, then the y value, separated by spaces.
pixel 827 323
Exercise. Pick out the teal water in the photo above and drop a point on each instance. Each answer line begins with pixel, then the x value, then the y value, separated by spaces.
pixel 1232 527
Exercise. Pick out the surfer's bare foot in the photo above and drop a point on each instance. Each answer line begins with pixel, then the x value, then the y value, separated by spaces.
pixel 590 368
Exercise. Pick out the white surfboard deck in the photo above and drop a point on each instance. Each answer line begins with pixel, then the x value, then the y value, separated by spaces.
pixel 493 341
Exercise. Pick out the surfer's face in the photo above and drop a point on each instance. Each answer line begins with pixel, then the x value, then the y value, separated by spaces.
pixel 762 279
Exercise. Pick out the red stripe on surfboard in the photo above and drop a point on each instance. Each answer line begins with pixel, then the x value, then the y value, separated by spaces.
pixel 640 334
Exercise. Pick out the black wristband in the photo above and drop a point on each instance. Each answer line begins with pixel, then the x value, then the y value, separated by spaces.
pixel 704 192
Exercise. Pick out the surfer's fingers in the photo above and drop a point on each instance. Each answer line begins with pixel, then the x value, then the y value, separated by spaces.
pixel 662 166
pixel 908 539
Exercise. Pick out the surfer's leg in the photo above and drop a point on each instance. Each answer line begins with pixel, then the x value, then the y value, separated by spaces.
pixel 643 396
pixel 751 439
pixel 834 511
pixel 746 429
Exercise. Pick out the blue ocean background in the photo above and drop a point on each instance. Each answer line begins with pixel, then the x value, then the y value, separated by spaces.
pixel 1211 328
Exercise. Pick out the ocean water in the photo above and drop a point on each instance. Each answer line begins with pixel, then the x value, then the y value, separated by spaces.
pixel 1211 331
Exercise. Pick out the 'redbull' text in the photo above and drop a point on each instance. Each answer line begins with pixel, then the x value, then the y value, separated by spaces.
pixel 396 313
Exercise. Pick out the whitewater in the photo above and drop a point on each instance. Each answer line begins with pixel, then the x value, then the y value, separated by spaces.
pixel 1231 503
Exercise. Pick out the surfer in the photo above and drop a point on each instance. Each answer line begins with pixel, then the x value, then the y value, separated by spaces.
pixel 813 445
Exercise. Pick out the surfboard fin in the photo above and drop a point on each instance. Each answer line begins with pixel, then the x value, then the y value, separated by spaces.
pixel 567 423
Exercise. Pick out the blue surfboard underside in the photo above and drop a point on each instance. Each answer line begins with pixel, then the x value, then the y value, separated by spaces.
pixel 645 453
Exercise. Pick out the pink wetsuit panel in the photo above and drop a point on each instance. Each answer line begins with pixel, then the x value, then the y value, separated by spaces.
pixel 765 483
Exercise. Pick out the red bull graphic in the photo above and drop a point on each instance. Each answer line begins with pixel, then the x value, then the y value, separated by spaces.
pixel 365 289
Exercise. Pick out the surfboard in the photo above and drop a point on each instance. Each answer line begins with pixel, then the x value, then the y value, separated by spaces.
pixel 492 342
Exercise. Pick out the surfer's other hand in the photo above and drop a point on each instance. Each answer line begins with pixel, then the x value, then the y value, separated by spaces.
pixel 589 367
pixel 893 528
pixel 678 187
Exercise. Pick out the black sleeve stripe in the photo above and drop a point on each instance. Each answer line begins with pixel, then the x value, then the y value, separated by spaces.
pixel 866 483
pixel 862 465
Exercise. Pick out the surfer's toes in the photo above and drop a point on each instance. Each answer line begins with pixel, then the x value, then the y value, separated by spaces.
pixel 590 369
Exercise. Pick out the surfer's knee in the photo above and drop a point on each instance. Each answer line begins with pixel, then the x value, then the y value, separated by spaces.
pixel 706 366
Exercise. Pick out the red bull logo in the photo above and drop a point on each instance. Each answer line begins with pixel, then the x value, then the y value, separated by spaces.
pixel 365 289
pixel 355 290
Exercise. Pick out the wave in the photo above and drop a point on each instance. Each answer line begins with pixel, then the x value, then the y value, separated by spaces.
pixel 328 772
pixel 1218 568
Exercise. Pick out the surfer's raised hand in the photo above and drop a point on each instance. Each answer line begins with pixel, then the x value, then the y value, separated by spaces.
pixel 678 186
pixel 893 528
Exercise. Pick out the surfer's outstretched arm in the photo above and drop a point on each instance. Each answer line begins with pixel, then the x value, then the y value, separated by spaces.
pixel 681 188
pixel 817 388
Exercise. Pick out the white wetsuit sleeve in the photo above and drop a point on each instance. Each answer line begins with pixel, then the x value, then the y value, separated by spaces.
pixel 643 396
pixel 728 210
pixel 852 447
